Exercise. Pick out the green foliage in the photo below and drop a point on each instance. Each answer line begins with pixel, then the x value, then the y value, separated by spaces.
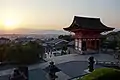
pixel 66 37
pixel 112 39
pixel 103 74
pixel 3 51
pixel 23 53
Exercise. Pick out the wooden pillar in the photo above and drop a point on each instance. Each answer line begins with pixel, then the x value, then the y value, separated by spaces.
pixel 87 44
pixel 76 43
pixel 99 44
pixel 84 46
pixel 90 44
pixel 95 44
pixel 80 44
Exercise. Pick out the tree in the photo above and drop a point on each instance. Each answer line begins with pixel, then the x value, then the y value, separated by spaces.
pixel 112 39
pixel 66 37
pixel 26 54
pixel 3 52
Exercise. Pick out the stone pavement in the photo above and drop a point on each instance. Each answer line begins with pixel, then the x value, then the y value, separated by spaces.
pixel 71 65
pixel 74 68
pixel 37 74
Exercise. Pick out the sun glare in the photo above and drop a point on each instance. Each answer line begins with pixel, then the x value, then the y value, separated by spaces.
pixel 10 24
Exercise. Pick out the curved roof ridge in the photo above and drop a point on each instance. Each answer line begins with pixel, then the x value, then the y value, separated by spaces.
pixel 88 23
pixel 105 24
pixel 85 17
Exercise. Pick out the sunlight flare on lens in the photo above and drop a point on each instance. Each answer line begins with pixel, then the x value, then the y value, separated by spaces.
pixel 10 24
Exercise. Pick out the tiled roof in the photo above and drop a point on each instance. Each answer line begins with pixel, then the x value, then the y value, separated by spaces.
pixel 56 41
pixel 87 23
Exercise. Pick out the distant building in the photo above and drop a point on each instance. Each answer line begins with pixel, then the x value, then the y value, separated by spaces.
pixel 71 44
pixel 4 40
pixel 87 33
pixel 25 40
pixel 57 43
pixel 54 45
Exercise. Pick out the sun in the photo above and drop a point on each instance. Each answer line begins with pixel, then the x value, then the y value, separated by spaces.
pixel 10 24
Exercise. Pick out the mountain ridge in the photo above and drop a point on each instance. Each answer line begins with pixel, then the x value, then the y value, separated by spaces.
pixel 33 31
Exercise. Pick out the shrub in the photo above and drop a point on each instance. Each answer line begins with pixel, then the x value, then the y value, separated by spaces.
pixel 103 74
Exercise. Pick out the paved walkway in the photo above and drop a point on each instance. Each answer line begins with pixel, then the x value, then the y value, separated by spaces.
pixel 65 63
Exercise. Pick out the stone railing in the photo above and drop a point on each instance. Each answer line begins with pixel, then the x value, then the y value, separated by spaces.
pixel 108 63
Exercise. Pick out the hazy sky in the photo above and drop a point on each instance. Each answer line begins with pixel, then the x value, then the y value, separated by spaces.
pixel 56 14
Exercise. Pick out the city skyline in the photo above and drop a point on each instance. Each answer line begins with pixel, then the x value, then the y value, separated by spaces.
pixel 55 14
